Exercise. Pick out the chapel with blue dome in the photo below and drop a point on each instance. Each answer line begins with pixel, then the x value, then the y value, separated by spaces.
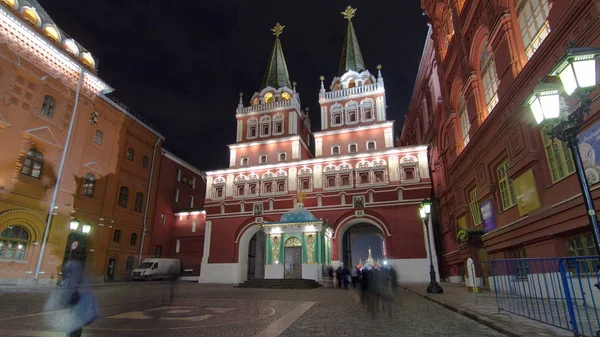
pixel 299 245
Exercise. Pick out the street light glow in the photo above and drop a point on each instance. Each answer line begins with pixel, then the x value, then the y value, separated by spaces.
pixel 86 229
pixel 545 102
pixel 73 225
pixel 425 209
pixel 577 69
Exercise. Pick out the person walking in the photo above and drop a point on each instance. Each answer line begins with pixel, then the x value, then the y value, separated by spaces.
pixel 354 276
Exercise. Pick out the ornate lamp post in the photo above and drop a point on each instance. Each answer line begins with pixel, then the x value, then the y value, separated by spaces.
pixel 433 287
pixel 577 72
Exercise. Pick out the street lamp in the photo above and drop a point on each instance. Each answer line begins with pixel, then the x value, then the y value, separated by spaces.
pixel 433 287
pixel 73 225
pixel 578 74
pixel 86 229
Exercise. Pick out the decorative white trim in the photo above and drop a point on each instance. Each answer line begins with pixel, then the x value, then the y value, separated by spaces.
pixel 331 150
pixel 240 130
pixel 353 129
pixel 355 144
pixel 371 141
pixel 352 105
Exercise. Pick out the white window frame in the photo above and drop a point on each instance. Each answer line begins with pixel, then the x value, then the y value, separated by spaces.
pixel 531 14
pixel 367 102
pixel 278 119
pixel 352 106
pixel 489 78
pixel 242 161
pixel 178 174
pixel 214 192
pixel 350 145
pixel 176 195
pixel 193 180
pixel 465 124
pixel 260 162
pixel 265 121
pixel 374 145
pixel 336 109
pixel 191 201
pixel 334 146
pixel 252 122
pixel 284 156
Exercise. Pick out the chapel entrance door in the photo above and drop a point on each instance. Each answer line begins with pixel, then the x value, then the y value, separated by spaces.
pixel 293 259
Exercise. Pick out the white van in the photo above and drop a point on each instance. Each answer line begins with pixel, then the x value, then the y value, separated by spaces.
pixel 156 269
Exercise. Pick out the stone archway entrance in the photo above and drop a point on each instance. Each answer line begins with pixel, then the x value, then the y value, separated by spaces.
pixel 293 258
pixel 256 256
pixel 354 246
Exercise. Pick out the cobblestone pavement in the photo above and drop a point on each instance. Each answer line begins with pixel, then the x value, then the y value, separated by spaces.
pixel 144 309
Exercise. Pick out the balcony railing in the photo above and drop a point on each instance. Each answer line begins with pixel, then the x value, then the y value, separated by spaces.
pixel 270 106
pixel 351 91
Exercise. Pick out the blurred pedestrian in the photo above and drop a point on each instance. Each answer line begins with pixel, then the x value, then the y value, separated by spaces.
pixel 354 276
pixel 345 275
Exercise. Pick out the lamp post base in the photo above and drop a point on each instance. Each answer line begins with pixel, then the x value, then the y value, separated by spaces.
pixel 434 288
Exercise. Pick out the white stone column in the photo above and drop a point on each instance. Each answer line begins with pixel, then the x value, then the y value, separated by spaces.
pixel 394 171
pixel 292 179
pixel 208 193
pixel 423 167
pixel 380 104
pixel 240 129
pixel 229 186
pixel 318 147
pixel 388 135
pixel 296 150
pixel 317 176
pixel 232 155
pixel 324 117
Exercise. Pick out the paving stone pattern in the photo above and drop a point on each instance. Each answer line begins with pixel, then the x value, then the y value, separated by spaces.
pixel 144 309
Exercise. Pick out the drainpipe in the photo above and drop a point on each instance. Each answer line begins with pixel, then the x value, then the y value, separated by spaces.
pixel 61 166
pixel 148 200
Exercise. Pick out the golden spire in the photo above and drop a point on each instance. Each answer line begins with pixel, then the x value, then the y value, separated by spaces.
pixel 301 195
pixel 278 29
pixel 379 66
pixel 349 13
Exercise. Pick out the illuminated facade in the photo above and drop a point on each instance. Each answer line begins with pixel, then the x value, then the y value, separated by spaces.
pixel 107 184
pixel 351 181
pixel 502 188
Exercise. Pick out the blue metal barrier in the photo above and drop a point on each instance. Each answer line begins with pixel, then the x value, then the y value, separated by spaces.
pixel 558 291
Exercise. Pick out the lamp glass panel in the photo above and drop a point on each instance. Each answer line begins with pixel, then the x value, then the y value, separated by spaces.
pixel 536 109
pixel 567 77
pixel 422 211
pixel 585 71
pixel 427 208
pixel 73 225
pixel 550 105
pixel 86 229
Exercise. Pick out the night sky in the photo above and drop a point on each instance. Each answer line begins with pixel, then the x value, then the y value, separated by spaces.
pixel 181 64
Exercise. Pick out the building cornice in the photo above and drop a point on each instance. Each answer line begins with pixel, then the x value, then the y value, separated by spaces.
pixel 183 163
pixel 387 124
pixel 386 152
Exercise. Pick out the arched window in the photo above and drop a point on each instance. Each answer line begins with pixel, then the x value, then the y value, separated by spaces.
pixel 331 182
pixel 240 190
pixel 133 239
pixel 489 77
pixel 533 21
pixel 265 126
pixel 351 112
pixel 352 83
pixel 130 154
pixel 335 150
pixel 282 156
pixel 13 243
pixel 123 196
pixel 269 97
pixel 98 137
pixel 117 235
pixel 465 124
pixel 34 164
pixel 278 124
pixel 366 108
pixel 336 115
pixel 352 148
pixel 139 200
pixel 286 96
pixel 262 159
pixel 252 126
pixel 88 186
pixel 293 242
pixel 129 263
pixel 48 106
pixel 371 145
pixel 244 161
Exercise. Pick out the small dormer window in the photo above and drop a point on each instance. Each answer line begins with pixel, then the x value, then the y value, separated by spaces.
pixel 269 97
pixel 352 84
pixel 255 101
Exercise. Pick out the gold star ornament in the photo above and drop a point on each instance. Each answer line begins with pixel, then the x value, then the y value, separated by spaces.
pixel 322 78
pixel 278 29
pixel 379 66
pixel 349 13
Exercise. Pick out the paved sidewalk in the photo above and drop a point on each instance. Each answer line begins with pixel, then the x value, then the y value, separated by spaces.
pixel 483 309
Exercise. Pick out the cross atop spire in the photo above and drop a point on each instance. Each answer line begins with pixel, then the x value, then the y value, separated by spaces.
pixel 351 55
pixel 277 75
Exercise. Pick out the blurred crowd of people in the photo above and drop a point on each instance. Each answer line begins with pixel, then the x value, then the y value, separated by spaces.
pixel 377 286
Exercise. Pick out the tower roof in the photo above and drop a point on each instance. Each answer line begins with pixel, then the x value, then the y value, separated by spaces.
pixel 277 75
pixel 351 56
